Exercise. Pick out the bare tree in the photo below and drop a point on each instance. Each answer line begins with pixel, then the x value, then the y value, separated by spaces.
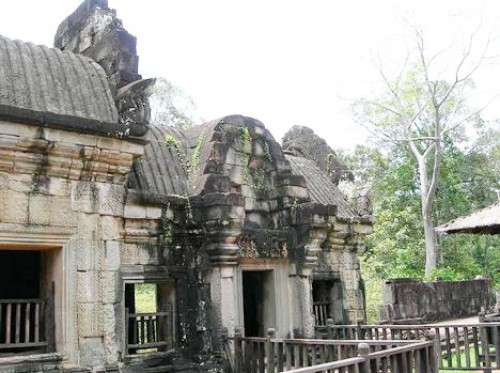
pixel 420 109
pixel 170 105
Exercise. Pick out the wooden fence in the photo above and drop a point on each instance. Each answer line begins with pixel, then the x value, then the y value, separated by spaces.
pixel 461 347
pixel 22 324
pixel 148 331
pixel 270 355
pixel 321 311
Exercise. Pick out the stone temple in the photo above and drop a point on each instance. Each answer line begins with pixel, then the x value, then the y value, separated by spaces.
pixel 229 229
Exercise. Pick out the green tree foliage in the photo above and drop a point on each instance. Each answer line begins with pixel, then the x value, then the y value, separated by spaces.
pixel 416 114
pixel 170 105
pixel 469 181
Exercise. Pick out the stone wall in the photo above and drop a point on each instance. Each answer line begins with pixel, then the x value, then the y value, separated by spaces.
pixel 415 301
pixel 63 193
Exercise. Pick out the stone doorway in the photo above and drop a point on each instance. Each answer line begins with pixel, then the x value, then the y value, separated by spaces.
pixel 259 311
pixel 27 300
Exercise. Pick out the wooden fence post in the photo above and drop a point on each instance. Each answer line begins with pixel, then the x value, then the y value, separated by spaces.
pixel 329 329
pixel 238 349
pixel 270 355
pixel 359 332
pixel 364 351
pixel 432 354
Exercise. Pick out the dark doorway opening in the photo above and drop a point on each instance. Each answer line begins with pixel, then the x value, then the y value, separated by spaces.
pixel 253 302
pixel 27 301
pixel 20 274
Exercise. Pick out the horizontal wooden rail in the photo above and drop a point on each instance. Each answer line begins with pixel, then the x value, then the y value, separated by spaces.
pixel 416 357
pixel 272 354
pixel 148 331
pixel 22 324
pixel 460 346
pixel 354 362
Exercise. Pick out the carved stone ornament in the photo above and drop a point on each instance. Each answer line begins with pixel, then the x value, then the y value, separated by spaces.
pixel 262 245
pixel 132 102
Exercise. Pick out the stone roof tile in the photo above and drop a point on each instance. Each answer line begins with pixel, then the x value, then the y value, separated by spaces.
pixel 321 188
pixel 48 80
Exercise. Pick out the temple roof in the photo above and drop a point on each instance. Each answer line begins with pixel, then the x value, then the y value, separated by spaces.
pixel 40 84
pixel 485 221
pixel 166 168
pixel 321 188
pixel 178 160
pixel 161 171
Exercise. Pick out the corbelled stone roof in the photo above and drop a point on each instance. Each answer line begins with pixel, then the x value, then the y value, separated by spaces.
pixel 176 160
pixel 41 82
pixel 303 142
pixel 321 188
pixel 162 169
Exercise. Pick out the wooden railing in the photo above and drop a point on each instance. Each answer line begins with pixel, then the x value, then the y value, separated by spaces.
pixel 321 312
pixel 418 357
pixel 22 324
pixel 148 331
pixel 461 347
pixel 277 355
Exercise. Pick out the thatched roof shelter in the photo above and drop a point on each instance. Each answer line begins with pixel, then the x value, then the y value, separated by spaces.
pixel 485 221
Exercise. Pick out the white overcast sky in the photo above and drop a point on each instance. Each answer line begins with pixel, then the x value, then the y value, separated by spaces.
pixel 283 62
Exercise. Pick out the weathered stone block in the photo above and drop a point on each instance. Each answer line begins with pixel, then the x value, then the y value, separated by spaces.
pixel 61 213
pixel 92 353
pixel 110 292
pixel 153 212
pixel 112 256
pixel 87 244
pixel 110 228
pixel 75 138
pixel 59 187
pixel 89 320
pixel 4 180
pixel 148 254
pixel 296 192
pixel 109 143
pixel 129 254
pixel 17 129
pixel 14 207
pixel 39 209
pixel 112 322
pixel 111 199
pixel 20 182
pixel 84 196
pixel 135 212
pixel 88 286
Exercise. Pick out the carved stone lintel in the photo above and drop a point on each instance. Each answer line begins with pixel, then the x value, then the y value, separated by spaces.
pixel 262 244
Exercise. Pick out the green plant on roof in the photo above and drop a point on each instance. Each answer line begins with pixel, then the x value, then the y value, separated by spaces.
pixel 171 141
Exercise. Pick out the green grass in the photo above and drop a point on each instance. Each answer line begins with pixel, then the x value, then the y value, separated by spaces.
pixel 473 361
pixel 145 298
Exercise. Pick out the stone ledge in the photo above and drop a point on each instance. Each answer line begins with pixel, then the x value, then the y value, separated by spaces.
pixel 49 362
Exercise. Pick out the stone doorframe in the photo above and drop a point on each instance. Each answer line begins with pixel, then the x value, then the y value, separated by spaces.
pixel 14 237
pixel 279 269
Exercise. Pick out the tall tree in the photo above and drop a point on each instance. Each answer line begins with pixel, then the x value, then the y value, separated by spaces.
pixel 420 110
pixel 170 105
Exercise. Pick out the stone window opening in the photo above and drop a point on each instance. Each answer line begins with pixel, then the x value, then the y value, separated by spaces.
pixel 149 317
pixel 327 301
pixel 27 301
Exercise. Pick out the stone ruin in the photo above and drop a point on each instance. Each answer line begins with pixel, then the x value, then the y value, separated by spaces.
pixel 228 228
